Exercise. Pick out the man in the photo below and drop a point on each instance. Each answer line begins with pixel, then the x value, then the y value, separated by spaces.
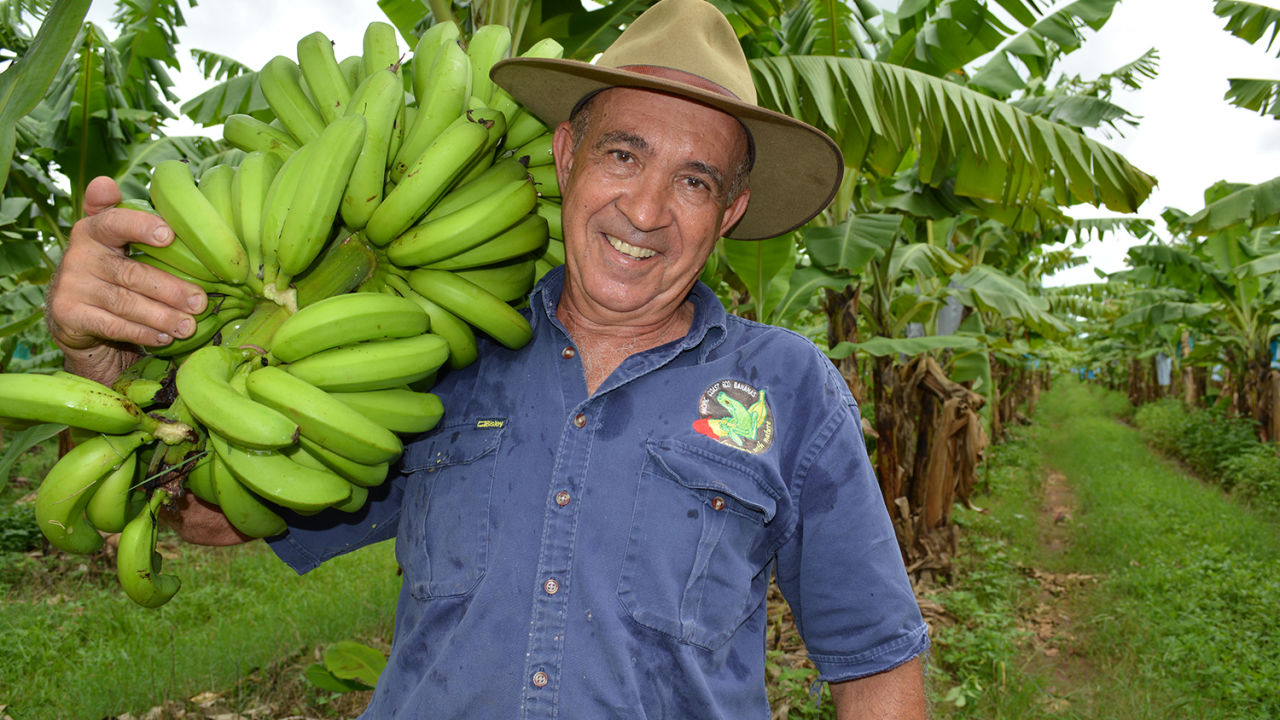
pixel 591 531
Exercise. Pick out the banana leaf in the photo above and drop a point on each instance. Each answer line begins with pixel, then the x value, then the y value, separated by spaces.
pixel 882 346
pixel 24 82
pixel 757 263
pixel 878 114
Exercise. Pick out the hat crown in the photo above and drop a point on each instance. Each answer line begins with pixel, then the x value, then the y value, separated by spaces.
pixel 687 35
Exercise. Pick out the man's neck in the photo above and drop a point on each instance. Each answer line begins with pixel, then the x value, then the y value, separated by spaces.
pixel 602 347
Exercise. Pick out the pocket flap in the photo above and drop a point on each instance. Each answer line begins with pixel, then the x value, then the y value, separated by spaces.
pixel 456 444
pixel 737 486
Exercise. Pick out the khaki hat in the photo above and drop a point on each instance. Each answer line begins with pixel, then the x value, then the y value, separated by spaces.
pixel 797 168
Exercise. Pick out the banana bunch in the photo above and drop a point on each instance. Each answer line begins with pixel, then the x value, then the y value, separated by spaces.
pixel 392 207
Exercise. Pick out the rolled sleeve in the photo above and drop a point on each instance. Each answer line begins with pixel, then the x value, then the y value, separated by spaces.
pixel 313 539
pixel 842 571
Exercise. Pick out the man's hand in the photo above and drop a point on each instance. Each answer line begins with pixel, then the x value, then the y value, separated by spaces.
pixel 896 694
pixel 101 304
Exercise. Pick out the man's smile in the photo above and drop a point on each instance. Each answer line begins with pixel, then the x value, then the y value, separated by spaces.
pixel 628 249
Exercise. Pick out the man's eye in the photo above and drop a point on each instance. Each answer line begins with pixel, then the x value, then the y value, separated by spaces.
pixel 621 155
pixel 696 183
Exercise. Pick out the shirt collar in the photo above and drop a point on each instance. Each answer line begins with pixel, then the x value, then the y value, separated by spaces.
pixel 709 317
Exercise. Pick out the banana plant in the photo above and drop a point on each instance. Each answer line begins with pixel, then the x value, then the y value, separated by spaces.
pixel 1251 22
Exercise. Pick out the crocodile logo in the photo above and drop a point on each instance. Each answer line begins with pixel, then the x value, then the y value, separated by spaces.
pixel 736 414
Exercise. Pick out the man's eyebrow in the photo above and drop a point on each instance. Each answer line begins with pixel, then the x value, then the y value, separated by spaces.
pixel 623 137
pixel 716 176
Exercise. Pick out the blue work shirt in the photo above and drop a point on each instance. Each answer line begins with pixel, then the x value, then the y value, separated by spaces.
pixel 608 555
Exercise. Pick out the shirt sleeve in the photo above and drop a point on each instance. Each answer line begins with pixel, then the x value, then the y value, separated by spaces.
pixel 841 571
pixel 313 539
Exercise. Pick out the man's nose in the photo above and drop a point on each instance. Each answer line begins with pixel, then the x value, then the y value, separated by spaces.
pixel 646 202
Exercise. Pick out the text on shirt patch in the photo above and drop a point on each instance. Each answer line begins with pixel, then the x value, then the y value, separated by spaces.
pixel 490 423
pixel 736 414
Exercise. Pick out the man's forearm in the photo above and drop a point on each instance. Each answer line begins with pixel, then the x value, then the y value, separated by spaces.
pixel 896 694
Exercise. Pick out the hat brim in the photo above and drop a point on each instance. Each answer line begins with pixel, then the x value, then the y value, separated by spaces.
pixel 797 168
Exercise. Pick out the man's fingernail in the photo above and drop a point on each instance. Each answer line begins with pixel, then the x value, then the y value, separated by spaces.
pixel 196 303
pixel 184 328
pixel 162 235
pixel 163 339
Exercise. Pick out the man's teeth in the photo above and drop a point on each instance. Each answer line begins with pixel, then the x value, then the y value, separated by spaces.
pixel 628 249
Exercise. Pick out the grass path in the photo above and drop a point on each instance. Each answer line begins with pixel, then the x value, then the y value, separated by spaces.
pixel 1139 591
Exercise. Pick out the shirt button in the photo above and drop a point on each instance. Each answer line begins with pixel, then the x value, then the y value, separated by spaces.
pixel 568 352
pixel 579 420
pixel 717 503
pixel 540 679
pixel 562 498
pixel 551 586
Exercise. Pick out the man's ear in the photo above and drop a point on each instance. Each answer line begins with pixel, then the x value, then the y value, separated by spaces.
pixel 734 211
pixel 562 151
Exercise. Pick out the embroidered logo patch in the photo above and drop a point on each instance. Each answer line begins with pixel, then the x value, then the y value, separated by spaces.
pixel 736 414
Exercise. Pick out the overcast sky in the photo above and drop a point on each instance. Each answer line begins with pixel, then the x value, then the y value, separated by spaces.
pixel 1189 137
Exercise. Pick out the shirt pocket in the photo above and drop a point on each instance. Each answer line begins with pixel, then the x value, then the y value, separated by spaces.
pixel 694 565
pixel 443 538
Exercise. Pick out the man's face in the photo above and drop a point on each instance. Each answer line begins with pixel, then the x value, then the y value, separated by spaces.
pixel 645 198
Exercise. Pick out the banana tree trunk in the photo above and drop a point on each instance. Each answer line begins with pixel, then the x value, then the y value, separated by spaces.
pixel 888 423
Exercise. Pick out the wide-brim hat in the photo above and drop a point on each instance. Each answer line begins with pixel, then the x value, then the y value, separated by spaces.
pixel 797 168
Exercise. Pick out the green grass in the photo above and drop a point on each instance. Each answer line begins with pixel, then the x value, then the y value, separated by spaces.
pixel 73 646
pixel 1184 623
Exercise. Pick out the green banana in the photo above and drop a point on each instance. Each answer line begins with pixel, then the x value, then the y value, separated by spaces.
pixel 429 44
pixel 275 211
pixel 397 409
pixel 431 175
pixel 73 401
pixel 248 197
pixel 463 229
pixel 345 319
pixel 324 78
pixel 502 100
pixel 281 83
pixel 195 220
pixel 550 210
pixel 525 127
pixel 490 181
pixel 554 254
pixel 322 418
pixel 536 152
pixel 527 237
pixel 176 258
pixel 508 281
pixel 204 383
pixel 381 49
pixel 446 86
pixel 497 124
pixel 244 510
pixel 137 562
pixel 489 44
pixel 373 365
pixel 215 317
pixel 115 501
pixel 251 134
pixel 70 484
pixel 544 177
pixel 359 494
pixel 274 477
pixel 199 480
pixel 315 202
pixel 215 185
pixel 380 100
pixel 210 287
pixel 473 304
pixel 355 473
pixel 351 71
pixel 456 333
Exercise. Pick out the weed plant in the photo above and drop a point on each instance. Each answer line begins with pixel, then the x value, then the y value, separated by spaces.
pixel 1220 448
